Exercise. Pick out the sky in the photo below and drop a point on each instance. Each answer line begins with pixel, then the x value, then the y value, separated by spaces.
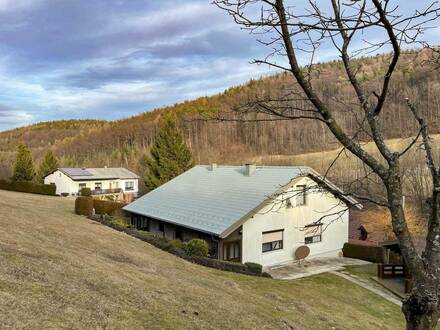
pixel 110 59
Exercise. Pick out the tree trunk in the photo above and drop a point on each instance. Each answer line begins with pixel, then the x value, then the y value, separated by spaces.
pixel 420 311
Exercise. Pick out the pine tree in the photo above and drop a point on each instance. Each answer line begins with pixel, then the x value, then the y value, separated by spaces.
pixel 48 165
pixel 169 156
pixel 24 169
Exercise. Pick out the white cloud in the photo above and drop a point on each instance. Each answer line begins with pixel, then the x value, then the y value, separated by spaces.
pixel 13 5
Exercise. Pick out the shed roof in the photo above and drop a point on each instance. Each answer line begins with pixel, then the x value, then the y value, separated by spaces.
pixel 104 173
pixel 212 201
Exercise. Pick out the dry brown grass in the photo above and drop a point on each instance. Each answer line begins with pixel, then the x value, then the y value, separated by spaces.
pixel 59 270
pixel 377 221
pixel 348 168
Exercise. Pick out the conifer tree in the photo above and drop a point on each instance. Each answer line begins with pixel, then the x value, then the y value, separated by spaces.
pixel 24 169
pixel 49 164
pixel 169 156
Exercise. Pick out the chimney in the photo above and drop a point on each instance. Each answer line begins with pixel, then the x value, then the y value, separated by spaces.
pixel 213 166
pixel 249 169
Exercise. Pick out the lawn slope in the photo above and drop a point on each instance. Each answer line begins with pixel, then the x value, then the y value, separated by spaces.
pixel 61 270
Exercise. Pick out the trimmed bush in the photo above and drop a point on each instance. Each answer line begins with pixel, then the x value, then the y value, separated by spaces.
pixel 254 267
pixel 364 252
pixel 29 187
pixel 86 192
pixel 179 244
pixel 107 207
pixel 84 206
pixel 197 248
pixel 64 194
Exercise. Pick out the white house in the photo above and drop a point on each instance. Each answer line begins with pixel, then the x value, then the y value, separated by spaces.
pixel 115 183
pixel 249 213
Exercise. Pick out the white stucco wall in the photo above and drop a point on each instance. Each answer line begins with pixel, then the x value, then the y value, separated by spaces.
pixel 67 185
pixel 292 220
pixel 63 183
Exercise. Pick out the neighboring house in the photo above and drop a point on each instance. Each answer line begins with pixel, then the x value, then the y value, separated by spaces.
pixel 249 213
pixel 112 183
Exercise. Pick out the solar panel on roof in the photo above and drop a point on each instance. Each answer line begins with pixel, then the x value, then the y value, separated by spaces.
pixel 77 172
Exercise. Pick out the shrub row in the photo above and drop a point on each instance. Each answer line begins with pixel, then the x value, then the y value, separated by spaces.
pixel 364 252
pixel 181 250
pixel 84 205
pixel 29 187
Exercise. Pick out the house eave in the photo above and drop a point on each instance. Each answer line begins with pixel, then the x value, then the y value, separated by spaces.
pixel 174 223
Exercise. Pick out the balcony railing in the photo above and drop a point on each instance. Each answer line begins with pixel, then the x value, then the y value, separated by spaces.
pixel 105 191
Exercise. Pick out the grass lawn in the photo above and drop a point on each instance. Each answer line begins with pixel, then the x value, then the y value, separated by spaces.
pixel 62 270
pixel 365 272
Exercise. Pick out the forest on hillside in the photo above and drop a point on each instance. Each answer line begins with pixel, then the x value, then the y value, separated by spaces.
pixel 234 139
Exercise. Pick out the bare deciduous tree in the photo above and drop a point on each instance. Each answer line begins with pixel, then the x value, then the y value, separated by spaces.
pixel 354 28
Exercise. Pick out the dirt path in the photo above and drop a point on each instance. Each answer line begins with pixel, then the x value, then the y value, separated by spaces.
pixel 363 284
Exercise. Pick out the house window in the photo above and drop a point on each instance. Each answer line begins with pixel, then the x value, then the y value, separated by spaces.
pixel 272 240
pixel 231 251
pixel 313 234
pixel 82 186
pixel 300 195
pixel 162 227
pixel 98 185
pixel 129 185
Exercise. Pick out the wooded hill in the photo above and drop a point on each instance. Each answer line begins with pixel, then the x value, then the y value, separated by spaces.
pixel 125 142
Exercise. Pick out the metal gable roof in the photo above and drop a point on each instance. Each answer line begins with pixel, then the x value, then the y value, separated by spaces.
pixel 213 200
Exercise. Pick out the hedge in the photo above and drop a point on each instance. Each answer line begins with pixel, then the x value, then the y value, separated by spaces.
pixel 107 207
pixel 84 206
pixel 364 252
pixel 29 187
pixel 177 248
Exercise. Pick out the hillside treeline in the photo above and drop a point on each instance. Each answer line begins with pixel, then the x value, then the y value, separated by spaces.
pixel 125 142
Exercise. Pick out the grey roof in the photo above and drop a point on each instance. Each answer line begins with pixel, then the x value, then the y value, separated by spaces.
pixel 213 200
pixel 104 173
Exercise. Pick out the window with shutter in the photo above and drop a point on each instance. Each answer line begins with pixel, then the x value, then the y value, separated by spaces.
pixel 272 240
pixel 313 234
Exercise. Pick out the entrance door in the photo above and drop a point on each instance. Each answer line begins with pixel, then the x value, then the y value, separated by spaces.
pixel 232 251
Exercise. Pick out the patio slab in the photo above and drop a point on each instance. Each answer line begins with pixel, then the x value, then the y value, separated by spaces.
pixel 313 266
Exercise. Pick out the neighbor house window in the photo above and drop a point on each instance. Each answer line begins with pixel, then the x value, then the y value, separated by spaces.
pixel 300 195
pixel 313 234
pixel 129 185
pixel 272 240
pixel 98 185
